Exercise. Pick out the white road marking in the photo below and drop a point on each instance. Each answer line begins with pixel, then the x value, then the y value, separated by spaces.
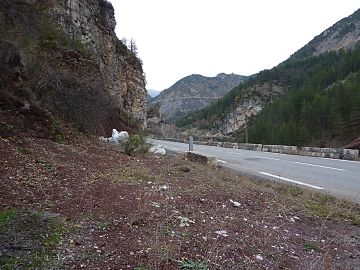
pixel 265 157
pixel 343 160
pixel 236 153
pixel 291 181
pixel 325 167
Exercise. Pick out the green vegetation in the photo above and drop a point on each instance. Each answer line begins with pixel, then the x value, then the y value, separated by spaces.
pixel 140 268
pixel 312 247
pixel 34 29
pixel 318 204
pixel 52 38
pixel 29 239
pixel 136 144
pixel 325 104
pixel 322 99
pixel 191 264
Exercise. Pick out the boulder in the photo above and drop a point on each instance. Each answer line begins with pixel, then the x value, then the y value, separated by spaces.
pixel 118 137
pixel 157 149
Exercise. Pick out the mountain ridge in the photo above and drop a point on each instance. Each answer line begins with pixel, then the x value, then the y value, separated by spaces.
pixel 298 80
pixel 344 34
pixel 194 92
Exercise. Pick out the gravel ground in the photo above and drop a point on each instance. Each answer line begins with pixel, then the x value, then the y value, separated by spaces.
pixel 162 212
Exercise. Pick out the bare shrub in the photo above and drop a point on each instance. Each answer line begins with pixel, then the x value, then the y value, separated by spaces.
pixel 80 100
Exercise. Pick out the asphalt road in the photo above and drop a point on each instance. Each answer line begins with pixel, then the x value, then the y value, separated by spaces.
pixel 338 177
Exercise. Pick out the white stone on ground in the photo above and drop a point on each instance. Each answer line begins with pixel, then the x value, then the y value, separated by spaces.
pixel 157 149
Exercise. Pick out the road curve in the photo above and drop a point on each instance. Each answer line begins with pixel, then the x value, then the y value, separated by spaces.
pixel 338 177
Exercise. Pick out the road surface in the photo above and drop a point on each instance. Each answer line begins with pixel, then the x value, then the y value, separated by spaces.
pixel 338 177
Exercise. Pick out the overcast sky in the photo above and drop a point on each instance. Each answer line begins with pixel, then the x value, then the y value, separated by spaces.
pixel 176 38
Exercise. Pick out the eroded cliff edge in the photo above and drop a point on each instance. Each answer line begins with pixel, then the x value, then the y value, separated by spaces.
pixel 63 57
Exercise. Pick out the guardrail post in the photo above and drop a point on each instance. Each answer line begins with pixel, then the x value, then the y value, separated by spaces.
pixel 191 143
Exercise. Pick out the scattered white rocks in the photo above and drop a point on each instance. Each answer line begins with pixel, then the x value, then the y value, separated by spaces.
pixel 294 219
pixel 155 204
pixel 157 149
pixel 259 257
pixel 235 204
pixel 222 233
pixel 184 221
pixel 164 188
pixel 116 137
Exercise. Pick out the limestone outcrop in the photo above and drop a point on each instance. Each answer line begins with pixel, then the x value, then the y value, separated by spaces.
pixel 70 62
pixel 93 23
pixel 250 104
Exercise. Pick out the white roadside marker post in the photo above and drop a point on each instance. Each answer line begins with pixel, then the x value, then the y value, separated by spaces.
pixel 191 144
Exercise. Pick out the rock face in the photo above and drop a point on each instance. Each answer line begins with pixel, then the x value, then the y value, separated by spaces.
pixel 344 34
pixel 93 23
pixel 251 103
pixel 71 63
pixel 193 93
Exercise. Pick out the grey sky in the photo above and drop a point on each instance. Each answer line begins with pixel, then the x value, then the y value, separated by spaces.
pixel 178 38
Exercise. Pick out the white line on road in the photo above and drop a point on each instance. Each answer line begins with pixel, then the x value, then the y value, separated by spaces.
pixel 265 157
pixel 342 160
pixel 291 181
pixel 331 168
pixel 236 153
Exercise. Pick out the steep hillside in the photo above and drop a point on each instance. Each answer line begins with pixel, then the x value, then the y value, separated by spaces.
pixel 294 92
pixel 63 59
pixel 194 92
pixel 324 110
pixel 344 34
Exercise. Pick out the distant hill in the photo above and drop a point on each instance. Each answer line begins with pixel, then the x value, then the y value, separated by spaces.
pixel 193 93
pixel 312 98
pixel 153 93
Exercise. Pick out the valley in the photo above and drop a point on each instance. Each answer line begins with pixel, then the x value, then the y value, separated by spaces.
pixel 90 177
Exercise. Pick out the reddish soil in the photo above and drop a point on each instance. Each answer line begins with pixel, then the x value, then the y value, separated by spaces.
pixel 354 144
pixel 127 211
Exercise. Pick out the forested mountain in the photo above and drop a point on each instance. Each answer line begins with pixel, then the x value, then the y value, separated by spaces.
pixel 313 98
pixel 193 93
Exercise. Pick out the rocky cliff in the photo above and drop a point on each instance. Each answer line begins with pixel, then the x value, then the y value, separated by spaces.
pixel 68 61
pixel 252 102
pixel 193 93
